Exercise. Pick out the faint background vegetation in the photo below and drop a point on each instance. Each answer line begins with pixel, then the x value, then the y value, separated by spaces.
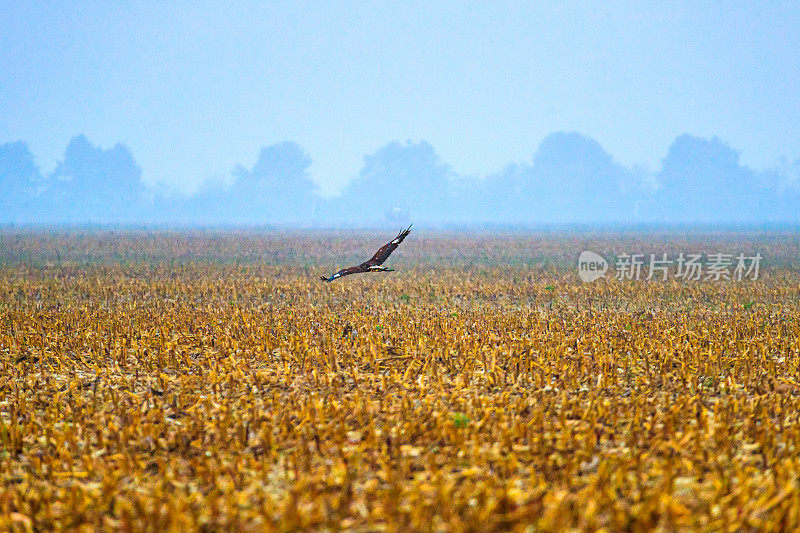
pixel 570 179
pixel 327 248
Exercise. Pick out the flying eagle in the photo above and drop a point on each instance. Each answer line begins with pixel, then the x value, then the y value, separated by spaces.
pixel 374 264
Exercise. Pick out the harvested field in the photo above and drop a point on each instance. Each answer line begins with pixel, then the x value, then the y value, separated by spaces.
pixel 208 380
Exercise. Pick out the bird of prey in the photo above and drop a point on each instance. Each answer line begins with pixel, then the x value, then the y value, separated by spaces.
pixel 374 264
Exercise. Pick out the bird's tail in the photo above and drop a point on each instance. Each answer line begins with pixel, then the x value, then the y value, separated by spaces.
pixel 323 278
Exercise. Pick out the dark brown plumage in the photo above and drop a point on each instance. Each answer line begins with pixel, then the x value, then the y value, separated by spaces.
pixel 374 264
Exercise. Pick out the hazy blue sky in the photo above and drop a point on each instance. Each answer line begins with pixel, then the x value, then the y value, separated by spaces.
pixel 194 89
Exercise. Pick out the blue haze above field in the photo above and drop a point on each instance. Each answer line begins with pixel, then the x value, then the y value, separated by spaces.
pixel 300 113
pixel 569 179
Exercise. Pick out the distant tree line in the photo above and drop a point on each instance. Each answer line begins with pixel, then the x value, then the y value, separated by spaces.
pixel 569 179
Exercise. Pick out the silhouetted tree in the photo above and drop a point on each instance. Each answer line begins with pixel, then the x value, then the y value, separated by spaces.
pixel 703 181
pixel 408 177
pixel 570 179
pixel 275 190
pixel 95 185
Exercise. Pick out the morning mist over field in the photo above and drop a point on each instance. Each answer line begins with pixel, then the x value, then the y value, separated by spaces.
pixel 355 265
pixel 353 115
pixel 569 179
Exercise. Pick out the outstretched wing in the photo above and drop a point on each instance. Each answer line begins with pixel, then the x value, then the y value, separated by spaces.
pixel 380 256
pixel 359 269
pixel 386 250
